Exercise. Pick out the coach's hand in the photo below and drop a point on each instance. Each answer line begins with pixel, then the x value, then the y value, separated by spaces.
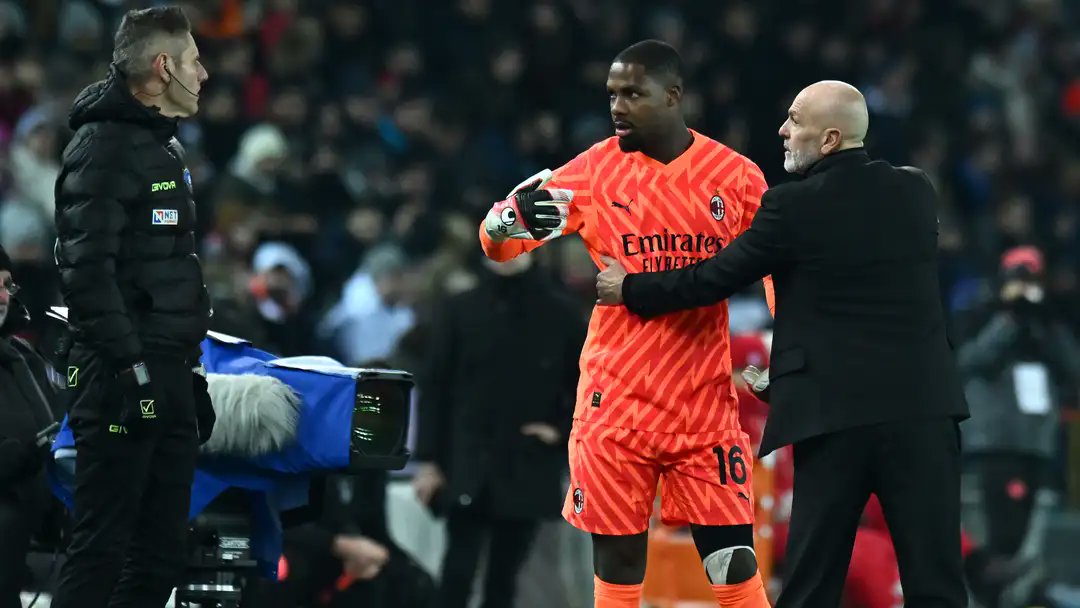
pixel 609 282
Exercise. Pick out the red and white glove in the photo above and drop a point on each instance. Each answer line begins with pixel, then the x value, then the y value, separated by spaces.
pixel 530 212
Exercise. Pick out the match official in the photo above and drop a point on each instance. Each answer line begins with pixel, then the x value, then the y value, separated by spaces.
pixel 863 378
pixel 138 309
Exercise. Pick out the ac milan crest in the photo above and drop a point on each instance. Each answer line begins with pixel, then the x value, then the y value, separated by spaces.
pixel 579 500
pixel 716 205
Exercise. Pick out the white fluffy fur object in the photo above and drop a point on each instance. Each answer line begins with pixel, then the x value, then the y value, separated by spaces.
pixel 256 415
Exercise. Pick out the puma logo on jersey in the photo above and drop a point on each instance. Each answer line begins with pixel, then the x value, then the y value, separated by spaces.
pixel 163 186
pixel 625 207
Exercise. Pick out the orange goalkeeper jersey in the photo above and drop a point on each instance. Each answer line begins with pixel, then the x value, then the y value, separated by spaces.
pixel 671 374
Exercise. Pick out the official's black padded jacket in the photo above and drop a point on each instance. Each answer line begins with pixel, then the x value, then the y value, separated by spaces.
pixel 124 220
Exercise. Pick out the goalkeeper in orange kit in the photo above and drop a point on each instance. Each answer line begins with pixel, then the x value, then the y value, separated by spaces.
pixel 655 400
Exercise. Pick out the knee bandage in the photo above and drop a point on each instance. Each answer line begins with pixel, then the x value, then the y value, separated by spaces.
pixel 731 565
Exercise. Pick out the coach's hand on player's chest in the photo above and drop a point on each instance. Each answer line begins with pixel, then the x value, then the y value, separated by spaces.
pixel 609 282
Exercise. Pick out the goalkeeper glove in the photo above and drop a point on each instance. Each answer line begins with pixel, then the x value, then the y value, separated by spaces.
pixel 758 381
pixel 530 212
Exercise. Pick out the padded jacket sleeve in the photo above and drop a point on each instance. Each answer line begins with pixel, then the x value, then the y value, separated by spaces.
pixel 90 224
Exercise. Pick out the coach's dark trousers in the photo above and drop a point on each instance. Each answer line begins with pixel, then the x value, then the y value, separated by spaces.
pixel 914 468
pixel 132 493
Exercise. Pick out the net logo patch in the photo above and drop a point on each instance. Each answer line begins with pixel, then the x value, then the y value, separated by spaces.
pixel 165 217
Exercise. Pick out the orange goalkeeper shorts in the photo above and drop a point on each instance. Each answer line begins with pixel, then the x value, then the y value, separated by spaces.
pixel 705 478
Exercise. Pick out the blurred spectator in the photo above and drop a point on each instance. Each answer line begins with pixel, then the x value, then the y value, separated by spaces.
pixel 1020 366
pixel 269 309
pixel 34 165
pixel 251 194
pixel 346 558
pixel 29 403
pixel 493 455
pixel 27 234
pixel 371 316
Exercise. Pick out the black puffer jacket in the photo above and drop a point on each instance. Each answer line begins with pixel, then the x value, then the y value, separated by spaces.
pixel 124 220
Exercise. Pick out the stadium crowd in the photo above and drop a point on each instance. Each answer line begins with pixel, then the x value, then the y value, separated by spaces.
pixel 345 151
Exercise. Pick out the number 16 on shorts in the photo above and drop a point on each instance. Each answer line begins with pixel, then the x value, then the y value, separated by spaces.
pixel 709 482
pixel 731 464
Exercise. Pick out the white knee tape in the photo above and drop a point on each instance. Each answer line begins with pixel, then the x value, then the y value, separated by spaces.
pixel 718 563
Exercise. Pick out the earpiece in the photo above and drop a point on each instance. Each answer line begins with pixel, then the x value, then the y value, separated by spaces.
pixel 177 80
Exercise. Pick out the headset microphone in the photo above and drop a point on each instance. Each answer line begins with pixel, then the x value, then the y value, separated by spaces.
pixel 177 81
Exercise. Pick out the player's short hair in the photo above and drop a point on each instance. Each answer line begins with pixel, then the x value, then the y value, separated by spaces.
pixel 141 35
pixel 659 59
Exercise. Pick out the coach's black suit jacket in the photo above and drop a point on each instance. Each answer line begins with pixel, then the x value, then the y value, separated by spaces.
pixel 859 334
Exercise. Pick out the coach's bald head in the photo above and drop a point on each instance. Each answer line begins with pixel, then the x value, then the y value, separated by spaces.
pixel 825 117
